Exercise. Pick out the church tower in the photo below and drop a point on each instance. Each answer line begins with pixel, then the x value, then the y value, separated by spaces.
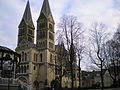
pixel 37 60
pixel 45 42
pixel 45 28
pixel 27 49
pixel 26 28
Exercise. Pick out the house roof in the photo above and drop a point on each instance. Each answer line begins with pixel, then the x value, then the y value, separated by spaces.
pixel 5 49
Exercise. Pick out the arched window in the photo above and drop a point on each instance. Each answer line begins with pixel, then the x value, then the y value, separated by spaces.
pixel 34 68
pixel 25 56
pixel 22 69
pixel 34 57
pixel 41 57
pixel 22 56
pixel 25 69
pixel 50 57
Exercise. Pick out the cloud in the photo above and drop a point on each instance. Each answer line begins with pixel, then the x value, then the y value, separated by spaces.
pixel 94 10
pixel 87 11
pixel 9 18
pixel 57 7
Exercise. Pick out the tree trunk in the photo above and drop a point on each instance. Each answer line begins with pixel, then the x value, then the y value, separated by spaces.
pixel 71 64
pixel 71 68
pixel 102 77
pixel 72 81
pixel 79 75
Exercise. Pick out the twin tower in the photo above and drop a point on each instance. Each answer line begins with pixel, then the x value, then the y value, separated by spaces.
pixel 45 27
pixel 37 60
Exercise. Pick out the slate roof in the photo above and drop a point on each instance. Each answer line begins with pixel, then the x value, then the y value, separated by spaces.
pixel 46 10
pixel 7 50
pixel 2 48
pixel 27 17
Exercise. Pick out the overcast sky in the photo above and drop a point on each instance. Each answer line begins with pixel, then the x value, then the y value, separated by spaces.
pixel 87 11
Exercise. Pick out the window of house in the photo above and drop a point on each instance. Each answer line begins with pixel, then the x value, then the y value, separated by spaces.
pixel 30 39
pixel 41 57
pixel 42 25
pixel 25 69
pixel 34 68
pixel 25 56
pixel 51 36
pixel 36 56
pixel 19 69
pixel 42 44
pixel 50 57
pixel 22 56
pixel 42 34
pixel 22 69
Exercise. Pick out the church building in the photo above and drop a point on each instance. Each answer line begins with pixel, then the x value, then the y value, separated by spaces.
pixel 37 65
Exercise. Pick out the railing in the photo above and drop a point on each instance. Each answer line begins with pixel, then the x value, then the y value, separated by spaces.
pixel 6 80
pixel 13 82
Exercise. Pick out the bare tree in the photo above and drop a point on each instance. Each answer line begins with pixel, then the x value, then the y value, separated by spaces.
pixel 80 50
pixel 98 38
pixel 112 60
pixel 71 30
pixel 112 55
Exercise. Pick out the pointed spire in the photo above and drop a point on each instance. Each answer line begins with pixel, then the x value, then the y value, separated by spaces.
pixel 46 11
pixel 27 17
pixel 46 8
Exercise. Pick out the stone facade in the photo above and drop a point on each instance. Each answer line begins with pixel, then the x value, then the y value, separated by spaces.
pixel 93 79
pixel 37 66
